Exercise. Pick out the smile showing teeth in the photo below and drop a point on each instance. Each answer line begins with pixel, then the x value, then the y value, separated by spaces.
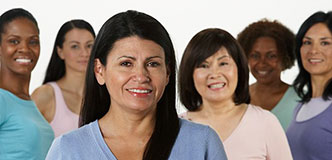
pixel 140 90
pixel 315 60
pixel 23 60
pixel 219 85
pixel 262 72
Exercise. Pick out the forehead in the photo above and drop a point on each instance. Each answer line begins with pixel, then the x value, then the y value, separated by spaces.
pixel 21 26
pixel 78 35
pixel 137 47
pixel 222 52
pixel 319 29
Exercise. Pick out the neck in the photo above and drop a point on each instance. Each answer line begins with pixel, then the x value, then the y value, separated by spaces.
pixel 268 87
pixel 16 84
pixel 124 124
pixel 73 81
pixel 217 108
pixel 318 85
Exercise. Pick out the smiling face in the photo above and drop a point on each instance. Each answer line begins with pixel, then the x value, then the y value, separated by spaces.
pixel 316 51
pixel 135 74
pixel 265 61
pixel 19 48
pixel 76 49
pixel 216 78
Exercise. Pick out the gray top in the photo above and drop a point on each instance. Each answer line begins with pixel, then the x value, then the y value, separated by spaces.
pixel 194 142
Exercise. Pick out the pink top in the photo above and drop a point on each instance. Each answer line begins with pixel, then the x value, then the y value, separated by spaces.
pixel 64 120
pixel 258 136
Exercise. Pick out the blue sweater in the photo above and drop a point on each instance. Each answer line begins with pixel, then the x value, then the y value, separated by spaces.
pixel 194 142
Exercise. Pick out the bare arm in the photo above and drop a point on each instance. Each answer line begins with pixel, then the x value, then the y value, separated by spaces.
pixel 45 100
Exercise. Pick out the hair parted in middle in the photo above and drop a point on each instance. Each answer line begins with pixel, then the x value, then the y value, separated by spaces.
pixel 203 45
pixel 96 100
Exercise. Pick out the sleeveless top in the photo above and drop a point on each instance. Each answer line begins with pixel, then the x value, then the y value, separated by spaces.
pixel 64 120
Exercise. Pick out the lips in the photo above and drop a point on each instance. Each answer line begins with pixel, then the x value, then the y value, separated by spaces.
pixel 216 85
pixel 140 91
pixel 263 73
pixel 315 60
pixel 24 60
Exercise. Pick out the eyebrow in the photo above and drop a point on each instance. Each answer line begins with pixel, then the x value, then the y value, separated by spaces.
pixel 323 38
pixel 223 56
pixel 133 58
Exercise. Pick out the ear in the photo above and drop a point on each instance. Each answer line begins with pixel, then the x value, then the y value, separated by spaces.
pixel 60 53
pixel 99 70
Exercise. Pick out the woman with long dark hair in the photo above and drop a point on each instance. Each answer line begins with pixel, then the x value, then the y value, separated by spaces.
pixel 59 99
pixel 129 104
pixel 310 132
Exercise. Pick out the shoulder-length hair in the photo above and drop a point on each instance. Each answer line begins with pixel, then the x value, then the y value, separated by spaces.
pixel 302 82
pixel 283 37
pixel 203 45
pixel 56 68
pixel 96 101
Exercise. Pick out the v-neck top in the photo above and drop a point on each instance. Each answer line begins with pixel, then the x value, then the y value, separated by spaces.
pixel 194 141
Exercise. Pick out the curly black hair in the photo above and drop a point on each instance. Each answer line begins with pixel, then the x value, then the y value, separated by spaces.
pixel 284 38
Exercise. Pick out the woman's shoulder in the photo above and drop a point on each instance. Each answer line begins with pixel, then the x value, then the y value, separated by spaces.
pixel 260 114
pixel 192 129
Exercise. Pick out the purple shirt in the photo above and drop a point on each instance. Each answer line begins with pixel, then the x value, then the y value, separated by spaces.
pixel 311 139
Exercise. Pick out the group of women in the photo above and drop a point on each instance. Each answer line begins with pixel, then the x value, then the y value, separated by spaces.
pixel 113 96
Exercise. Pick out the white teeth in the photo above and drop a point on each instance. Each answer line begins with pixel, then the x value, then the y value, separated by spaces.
pixel 262 72
pixel 315 60
pixel 23 60
pixel 140 90
pixel 217 85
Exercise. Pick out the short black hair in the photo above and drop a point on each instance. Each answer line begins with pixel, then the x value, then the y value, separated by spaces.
pixel 13 14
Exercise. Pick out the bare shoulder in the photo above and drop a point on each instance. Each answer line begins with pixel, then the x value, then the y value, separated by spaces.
pixel 43 96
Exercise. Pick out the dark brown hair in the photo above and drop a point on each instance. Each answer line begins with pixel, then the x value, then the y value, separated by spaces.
pixel 203 45
pixel 284 38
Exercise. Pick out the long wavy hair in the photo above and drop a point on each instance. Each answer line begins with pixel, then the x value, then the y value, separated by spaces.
pixel 96 100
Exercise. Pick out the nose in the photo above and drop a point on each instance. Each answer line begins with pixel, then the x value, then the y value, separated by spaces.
pixel 141 75
pixel 85 52
pixel 214 72
pixel 23 47
pixel 314 48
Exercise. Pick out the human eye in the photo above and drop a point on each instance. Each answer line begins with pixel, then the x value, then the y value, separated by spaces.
pixel 126 64
pixel 89 45
pixel 203 65
pixel 74 46
pixel 254 56
pixel 34 42
pixel 223 63
pixel 325 43
pixel 14 41
pixel 306 42
pixel 153 64
pixel 271 56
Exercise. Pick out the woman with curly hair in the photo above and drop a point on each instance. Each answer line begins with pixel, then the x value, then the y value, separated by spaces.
pixel 270 49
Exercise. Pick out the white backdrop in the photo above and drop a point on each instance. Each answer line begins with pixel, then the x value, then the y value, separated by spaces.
pixel 182 18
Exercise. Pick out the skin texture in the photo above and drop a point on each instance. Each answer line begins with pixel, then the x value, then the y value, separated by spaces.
pixel 135 76
pixel 216 80
pixel 316 56
pixel 266 66
pixel 75 52
pixel 19 51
